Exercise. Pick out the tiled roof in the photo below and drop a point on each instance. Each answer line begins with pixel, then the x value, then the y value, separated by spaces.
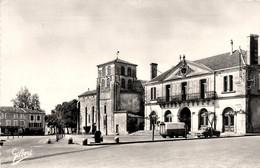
pixel 10 109
pixel 221 61
pixel 87 93
pixel 116 61
pixel 217 62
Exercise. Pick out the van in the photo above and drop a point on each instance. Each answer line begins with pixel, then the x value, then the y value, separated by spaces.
pixel 172 129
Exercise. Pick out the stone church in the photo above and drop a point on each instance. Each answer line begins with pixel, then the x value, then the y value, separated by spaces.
pixel 221 91
pixel 117 103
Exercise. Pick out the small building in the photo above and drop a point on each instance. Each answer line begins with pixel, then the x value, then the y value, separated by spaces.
pixel 221 91
pixel 24 121
pixel 116 103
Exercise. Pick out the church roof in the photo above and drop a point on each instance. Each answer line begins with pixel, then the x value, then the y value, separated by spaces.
pixel 116 61
pixel 88 93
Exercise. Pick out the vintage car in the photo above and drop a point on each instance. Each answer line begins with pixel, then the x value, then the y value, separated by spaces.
pixel 208 132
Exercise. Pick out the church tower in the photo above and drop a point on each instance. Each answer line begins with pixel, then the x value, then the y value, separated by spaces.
pixel 116 79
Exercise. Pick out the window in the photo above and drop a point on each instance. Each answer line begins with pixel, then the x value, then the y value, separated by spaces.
pixel 108 70
pixel 103 83
pixel 202 88
pixel 128 71
pixel 122 70
pixel 21 123
pixel 15 116
pixel 8 123
pixel 123 83
pixel 105 109
pixel 228 83
pixel 15 122
pixel 153 93
pixel 130 84
pixel 225 83
pixel 103 71
pixel 108 83
pixel 168 116
pixel 32 118
pixel 38 118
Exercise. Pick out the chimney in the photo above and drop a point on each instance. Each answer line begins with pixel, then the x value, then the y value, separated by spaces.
pixel 252 54
pixel 153 70
pixel 231 42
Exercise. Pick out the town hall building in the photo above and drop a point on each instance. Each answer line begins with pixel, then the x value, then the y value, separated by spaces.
pixel 221 91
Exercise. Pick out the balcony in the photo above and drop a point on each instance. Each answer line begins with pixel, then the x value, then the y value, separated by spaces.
pixel 211 95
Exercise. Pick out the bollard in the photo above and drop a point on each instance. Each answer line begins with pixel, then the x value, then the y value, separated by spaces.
pixel 117 139
pixel 49 141
pixel 85 142
pixel 70 141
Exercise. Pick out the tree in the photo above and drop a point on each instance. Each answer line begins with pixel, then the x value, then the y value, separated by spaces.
pixel 24 99
pixel 64 115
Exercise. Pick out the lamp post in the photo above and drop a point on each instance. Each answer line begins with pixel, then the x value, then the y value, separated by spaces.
pixel 153 119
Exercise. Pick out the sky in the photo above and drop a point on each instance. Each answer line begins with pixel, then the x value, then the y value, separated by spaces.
pixel 53 47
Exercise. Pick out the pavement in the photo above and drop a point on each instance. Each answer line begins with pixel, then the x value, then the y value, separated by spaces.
pixel 138 137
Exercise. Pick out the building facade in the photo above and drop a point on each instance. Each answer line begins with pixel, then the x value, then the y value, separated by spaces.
pixel 116 105
pixel 222 91
pixel 24 121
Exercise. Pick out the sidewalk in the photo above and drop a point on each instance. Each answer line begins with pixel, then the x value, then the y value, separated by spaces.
pixel 145 137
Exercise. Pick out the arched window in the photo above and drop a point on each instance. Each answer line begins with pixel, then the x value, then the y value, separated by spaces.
pixel 103 71
pixel 123 83
pixel 128 71
pixel 122 70
pixel 103 83
pixel 130 84
pixel 203 119
pixel 108 70
pixel 168 116
pixel 108 82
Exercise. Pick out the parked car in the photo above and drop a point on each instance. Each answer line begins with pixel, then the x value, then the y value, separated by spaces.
pixel 208 132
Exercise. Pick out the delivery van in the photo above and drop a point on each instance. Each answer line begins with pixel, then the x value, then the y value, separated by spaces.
pixel 173 129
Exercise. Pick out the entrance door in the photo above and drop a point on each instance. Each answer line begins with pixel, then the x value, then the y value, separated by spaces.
pixel 185 116
pixel 228 120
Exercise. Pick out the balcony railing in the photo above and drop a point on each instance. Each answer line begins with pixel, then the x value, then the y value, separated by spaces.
pixel 187 97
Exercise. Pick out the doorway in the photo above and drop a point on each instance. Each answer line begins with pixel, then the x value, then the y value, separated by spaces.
pixel 185 116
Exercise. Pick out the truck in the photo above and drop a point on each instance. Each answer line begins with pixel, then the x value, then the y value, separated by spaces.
pixel 172 129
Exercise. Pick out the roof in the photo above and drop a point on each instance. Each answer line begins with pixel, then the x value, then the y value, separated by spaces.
pixel 88 93
pixel 221 61
pixel 217 62
pixel 10 109
pixel 116 61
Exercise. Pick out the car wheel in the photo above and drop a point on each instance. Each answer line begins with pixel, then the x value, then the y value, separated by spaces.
pixel 164 136
pixel 198 136
pixel 171 136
